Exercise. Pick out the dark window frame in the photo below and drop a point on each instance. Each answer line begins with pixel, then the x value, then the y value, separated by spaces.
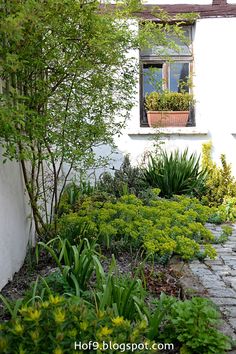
pixel 162 61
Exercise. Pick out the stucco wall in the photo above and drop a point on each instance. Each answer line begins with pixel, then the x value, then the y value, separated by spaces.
pixel 14 221
pixel 214 80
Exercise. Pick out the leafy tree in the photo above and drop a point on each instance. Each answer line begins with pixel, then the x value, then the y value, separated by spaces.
pixel 66 76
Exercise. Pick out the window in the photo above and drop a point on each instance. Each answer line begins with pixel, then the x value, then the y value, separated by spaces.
pixel 158 73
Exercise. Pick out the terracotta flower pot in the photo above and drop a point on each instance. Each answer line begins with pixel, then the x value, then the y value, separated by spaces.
pixel 167 118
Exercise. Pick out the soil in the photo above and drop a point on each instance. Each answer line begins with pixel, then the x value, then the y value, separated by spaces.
pixel 157 277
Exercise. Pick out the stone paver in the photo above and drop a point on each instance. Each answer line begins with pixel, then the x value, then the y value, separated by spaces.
pixel 218 277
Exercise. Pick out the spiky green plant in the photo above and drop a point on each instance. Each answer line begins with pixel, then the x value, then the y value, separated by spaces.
pixel 176 173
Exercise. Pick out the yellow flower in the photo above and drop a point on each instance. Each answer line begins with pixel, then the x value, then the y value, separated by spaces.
pixel 135 334
pixel 55 299
pixel 118 321
pixel 45 304
pixel 83 325
pixel 100 314
pixel 34 335
pixel 23 310
pixel 59 316
pixel 104 331
pixel 58 351
pixel 34 315
pixel 72 333
pixel 18 328
pixel 143 324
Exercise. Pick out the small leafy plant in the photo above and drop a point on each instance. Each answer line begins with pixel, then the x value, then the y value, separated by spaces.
pixel 77 263
pixel 168 101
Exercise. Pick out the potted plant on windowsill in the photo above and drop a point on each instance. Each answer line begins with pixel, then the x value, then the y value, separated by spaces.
pixel 168 109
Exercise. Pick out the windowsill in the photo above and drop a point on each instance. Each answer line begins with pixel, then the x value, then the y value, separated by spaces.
pixel 168 131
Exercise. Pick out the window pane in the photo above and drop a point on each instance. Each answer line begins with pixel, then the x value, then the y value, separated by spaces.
pixel 172 46
pixel 179 76
pixel 152 78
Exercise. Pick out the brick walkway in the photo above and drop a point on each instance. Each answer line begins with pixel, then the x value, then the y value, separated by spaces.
pixel 218 277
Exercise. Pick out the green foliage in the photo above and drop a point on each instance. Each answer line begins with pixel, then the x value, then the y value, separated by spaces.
pixel 71 195
pixel 64 83
pixel 168 101
pixel 220 183
pixel 194 323
pixel 77 263
pixel 175 173
pixel 226 232
pixel 53 326
pixel 75 228
pixel 127 179
pixel 227 209
pixel 124 295
pixel 163 227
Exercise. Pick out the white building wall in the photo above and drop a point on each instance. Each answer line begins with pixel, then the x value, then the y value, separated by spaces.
pixel 214 90
pixel 15 222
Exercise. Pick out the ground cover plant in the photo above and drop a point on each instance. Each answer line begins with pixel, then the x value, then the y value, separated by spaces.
pixel 164 227
pixel 54 325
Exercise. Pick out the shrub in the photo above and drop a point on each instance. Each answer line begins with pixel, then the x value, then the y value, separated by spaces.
pixel 75 228
pixel 227 209
pixel 219 183
pixel 71 195
pixel 175 173
pixel 168 101
pixel 127 179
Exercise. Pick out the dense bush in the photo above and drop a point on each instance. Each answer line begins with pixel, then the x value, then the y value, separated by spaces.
pixel 53 326
pixel 175 173
pixel 168 101
pixel 162 227
pixel 227 210
pixel 127 179
pixel 220 182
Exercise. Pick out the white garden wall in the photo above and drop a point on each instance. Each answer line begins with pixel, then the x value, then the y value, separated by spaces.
pixel 15 221
pixel 214 52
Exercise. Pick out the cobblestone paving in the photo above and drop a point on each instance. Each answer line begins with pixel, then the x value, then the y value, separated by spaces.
pixel 218 277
